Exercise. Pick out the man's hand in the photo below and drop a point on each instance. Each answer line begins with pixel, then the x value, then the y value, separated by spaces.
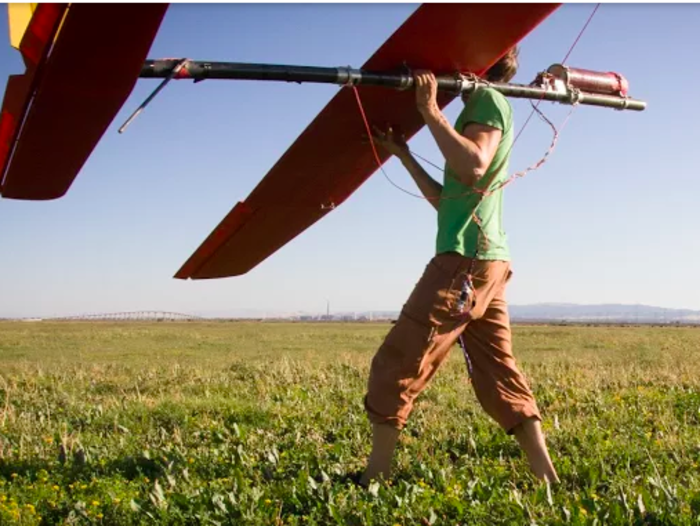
pixel 396 145
pixel 468 152
pixel 391 143
pixel 426 92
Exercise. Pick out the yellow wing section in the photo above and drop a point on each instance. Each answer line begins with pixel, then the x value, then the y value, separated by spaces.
pixel 19 16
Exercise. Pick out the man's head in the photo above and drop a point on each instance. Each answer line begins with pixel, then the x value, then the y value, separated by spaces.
pixel 502 71
pixel 505 69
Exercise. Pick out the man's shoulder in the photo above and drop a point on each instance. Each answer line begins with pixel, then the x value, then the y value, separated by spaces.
pixel 487 106
pixel 488 95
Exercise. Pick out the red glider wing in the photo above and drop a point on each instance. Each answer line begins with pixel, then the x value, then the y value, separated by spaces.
pixel 330 159
pixel 55 114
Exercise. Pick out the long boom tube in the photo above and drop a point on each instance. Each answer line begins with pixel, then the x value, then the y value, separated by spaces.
pixel 550 90
pixel 558 84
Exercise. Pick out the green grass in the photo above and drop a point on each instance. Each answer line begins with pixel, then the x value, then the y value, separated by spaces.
pixel 253 423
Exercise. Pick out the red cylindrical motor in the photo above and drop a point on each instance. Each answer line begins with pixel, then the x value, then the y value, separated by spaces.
pixel 591 81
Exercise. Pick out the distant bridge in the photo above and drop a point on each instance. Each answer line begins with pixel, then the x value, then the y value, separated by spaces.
pixel 142 315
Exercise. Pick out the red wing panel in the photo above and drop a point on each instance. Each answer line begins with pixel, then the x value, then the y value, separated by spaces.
pixel 90 73
pixel 35 46
pixel 330 159
pixel 261 235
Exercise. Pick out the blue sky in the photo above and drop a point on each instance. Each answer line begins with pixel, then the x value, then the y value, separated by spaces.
pixel 612 216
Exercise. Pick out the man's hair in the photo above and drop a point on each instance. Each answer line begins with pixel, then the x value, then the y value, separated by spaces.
pixel 506 67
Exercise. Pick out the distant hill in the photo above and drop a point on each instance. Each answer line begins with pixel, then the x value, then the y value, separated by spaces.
pixel 519 313
pixel 604 312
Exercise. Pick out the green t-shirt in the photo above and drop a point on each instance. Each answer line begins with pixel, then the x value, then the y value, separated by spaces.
pixel 457 231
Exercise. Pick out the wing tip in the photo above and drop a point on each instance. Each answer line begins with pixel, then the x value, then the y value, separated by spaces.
pixel 233 221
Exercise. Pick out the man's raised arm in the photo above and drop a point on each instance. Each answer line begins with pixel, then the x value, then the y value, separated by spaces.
pixel 468 154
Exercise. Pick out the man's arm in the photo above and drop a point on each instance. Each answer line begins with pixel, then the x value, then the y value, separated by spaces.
pixel 397 146
pixel 428 186
pixel 468 154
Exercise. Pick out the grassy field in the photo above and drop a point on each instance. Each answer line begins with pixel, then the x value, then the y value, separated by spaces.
pixel 253 423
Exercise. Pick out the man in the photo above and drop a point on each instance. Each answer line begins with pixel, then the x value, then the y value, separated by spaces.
pixel 461 294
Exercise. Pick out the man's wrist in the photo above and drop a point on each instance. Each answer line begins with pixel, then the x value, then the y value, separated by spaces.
pixel 405 157
pixel 430 113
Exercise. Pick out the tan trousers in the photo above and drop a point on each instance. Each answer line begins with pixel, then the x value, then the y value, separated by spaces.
pixel 427 329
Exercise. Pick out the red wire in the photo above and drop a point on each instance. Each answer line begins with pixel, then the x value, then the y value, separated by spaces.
pixel 486 192
pixel 535 109
pixel 580 34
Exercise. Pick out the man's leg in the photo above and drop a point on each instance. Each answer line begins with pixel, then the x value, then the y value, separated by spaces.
pixel 384 439
pixel 410 355
pixel 500 386
pixel 530 437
